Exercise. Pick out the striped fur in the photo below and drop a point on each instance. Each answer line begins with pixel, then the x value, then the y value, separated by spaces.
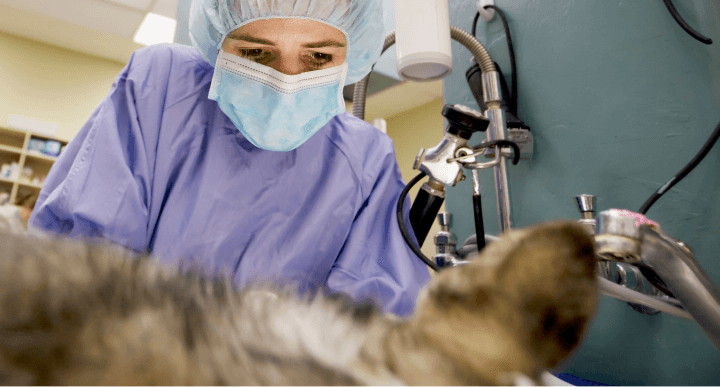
pixel 88 313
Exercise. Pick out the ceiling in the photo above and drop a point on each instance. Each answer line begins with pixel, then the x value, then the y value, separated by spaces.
pixel 102 28
pixel 105 28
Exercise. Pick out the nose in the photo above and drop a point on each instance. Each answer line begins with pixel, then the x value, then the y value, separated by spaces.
pixel 289 66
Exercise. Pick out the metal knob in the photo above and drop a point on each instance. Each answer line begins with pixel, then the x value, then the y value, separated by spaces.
pixel 464 121
pixel 586 205
pixel 444 219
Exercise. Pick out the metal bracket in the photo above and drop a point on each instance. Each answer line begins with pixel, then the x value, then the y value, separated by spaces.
pixel 524 139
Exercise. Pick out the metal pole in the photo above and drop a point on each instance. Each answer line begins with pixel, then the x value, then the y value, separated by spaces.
pixel 496 131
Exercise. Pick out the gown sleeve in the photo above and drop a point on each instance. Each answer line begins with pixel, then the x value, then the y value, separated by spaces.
pixel 98 187
pixel 375 263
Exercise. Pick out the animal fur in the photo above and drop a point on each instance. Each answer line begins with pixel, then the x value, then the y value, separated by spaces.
pixel 78 313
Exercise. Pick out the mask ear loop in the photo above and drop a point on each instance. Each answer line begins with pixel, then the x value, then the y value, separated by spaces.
pixel 341 86
pixel 217 75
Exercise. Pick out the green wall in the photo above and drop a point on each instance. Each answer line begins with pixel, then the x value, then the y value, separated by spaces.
pixel 619 99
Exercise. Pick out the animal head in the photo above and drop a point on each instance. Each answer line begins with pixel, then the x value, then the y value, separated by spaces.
pixel 523 304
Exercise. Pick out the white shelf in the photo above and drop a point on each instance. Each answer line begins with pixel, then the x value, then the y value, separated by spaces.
pixel 15 144
pixel 31 185
pixel 39 156
pixel 10 149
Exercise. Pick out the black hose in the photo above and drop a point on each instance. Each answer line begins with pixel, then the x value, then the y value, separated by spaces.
pixel 513 108
pixel 474 26
pixel 423 212
pixel 513 83
pixel 683 24
pixel 401 223
pixel 479 224
pixel 687 169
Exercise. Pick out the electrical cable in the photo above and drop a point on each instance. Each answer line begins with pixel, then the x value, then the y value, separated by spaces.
pixel 684 25
pixel 474 26
pixel 513 83
pixel 511 51
pixel 687 169
pixel 401 223
pixel 479 223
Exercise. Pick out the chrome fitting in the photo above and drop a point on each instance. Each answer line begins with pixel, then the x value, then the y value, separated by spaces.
pixel 435 188
pixel 618 238
pixel 435 161
pixel 445 243
pixel 491 87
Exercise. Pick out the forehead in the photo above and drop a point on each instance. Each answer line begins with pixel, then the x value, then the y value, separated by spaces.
pixel 297 30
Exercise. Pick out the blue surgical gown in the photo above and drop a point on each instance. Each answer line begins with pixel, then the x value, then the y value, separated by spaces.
pixel 159 168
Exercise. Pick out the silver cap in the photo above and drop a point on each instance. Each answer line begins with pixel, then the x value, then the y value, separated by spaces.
pixel 618 238
pixel 585 203
pixel 444 218
pixel 616 222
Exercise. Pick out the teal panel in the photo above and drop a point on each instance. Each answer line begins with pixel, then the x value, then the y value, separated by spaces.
pixel 619 99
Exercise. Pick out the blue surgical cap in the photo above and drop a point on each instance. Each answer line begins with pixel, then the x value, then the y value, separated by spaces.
pixel 361 21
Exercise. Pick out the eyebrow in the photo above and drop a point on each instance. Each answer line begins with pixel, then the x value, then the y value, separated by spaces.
pixel 252 39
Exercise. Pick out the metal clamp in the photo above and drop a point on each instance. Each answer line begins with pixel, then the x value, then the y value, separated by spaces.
pixel 435 161
pixel 524 139
pixel 466 156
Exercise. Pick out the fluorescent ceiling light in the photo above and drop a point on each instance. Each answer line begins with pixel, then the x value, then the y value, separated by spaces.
pixel 156 29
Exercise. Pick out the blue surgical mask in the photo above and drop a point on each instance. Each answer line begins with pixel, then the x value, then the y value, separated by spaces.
pixel 275 111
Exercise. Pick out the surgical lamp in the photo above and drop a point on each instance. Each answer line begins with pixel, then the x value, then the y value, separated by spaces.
pixel 423 40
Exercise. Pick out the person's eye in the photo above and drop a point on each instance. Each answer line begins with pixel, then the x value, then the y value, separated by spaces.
pixel 254 54
pixel 319 59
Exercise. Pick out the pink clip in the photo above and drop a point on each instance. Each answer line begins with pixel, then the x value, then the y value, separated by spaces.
pixel 639 218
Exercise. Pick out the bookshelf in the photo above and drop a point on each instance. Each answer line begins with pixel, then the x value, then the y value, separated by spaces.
pixel 21 147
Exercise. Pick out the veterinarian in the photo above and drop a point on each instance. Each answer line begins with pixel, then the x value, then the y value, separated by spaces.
pixel 237 156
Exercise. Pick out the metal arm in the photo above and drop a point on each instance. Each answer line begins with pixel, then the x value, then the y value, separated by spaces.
pixel 667 263
pixel 677 268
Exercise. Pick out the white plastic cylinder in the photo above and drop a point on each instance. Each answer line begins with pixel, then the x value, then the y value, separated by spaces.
pixel 422 40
